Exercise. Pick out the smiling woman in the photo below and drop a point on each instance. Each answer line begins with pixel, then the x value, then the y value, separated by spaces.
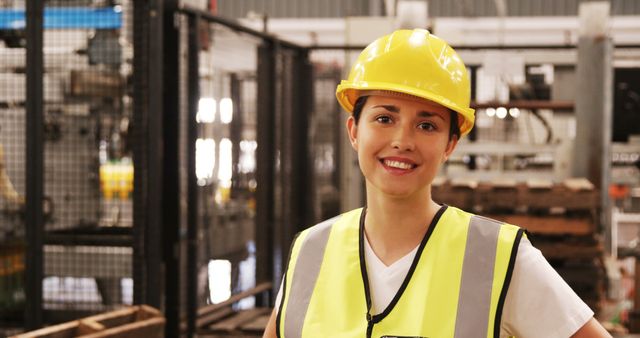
pixel 403 138
pixel 404 265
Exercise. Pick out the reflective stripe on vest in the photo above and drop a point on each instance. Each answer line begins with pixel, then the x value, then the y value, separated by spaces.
pixel 306 272
pixel 476 302
pixel 477 278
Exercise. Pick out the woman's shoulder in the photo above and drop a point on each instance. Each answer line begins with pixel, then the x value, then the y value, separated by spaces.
pixel 348 219
pixel 489 219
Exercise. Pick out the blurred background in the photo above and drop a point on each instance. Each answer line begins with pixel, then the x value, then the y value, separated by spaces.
pixel 167 152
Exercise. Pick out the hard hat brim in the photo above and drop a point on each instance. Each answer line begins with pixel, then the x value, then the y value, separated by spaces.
pixel 348 92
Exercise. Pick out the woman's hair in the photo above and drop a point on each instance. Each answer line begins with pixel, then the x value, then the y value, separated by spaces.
pixel 454 128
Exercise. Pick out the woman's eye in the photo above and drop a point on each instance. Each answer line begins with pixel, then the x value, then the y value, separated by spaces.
pixel 426 126
pixel 383 119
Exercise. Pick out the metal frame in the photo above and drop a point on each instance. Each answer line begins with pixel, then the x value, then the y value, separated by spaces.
pixel 170 164
pixel 192 185
pixel 295 168
pixel 34 165
pixel 300 197
pixel 265 170
pixel 147 159
pixel 236 26
pixel 156 237
pixel 235 133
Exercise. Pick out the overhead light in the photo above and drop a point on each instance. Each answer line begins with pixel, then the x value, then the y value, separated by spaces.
pixel 206 110
pixel 490 112
pixel 247 156
pixel 514 112
pixel 219 271
pixel 226 110
pixel 224 171
pixel 205 160
pixel 501 112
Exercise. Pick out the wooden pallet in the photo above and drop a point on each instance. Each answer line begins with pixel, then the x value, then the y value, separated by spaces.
pixel 553 250
pixel 250 322
pixel 221 320
pixel 540 197
pixel 571 195
pixel 132 322
pixel 498 196
pixel 550 225
pixel 459 192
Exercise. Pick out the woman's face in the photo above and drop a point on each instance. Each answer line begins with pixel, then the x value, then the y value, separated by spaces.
pixel 401 143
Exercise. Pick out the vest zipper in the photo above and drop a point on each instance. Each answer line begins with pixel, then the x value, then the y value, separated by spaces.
pixel 369 325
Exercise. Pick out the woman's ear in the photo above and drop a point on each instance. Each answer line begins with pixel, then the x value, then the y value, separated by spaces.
pixel 451 145
pixel 352 130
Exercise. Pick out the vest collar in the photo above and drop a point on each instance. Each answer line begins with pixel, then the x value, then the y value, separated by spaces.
pixel 373 319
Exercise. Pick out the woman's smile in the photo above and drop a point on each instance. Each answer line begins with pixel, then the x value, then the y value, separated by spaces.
pixel 398 165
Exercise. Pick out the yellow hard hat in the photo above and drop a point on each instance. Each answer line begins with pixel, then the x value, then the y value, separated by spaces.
pixel 412 62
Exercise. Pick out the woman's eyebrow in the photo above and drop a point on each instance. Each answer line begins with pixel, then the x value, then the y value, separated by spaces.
pixel 395 109
pixel 424 113
pixel 389 107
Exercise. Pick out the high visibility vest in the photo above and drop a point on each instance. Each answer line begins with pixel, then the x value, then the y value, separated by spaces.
pixel 455 287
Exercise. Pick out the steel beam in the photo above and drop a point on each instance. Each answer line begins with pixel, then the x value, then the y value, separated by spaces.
pixel 238 27
pixel 170 111
pixel 235 131
pixel 294 170
pixel 592 150
pixel 34 166
pixel 193 79
pixel 147 130
pixel 265 170
pixel 302 179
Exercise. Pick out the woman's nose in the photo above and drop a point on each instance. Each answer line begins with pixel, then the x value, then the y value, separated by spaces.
pixel 403 139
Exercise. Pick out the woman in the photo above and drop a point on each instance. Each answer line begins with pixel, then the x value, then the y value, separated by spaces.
pixel 406 266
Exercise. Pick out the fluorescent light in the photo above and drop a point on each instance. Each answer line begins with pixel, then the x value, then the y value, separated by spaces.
pixel 205 160
pixel 226 110
pixel 224 171
pixel 247 156
pixel 219 280
pixel 206 110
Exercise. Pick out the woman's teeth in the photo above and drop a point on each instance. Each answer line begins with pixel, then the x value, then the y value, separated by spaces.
pixel 398 164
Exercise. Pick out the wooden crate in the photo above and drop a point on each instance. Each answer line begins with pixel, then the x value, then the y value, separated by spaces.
pixel 573 195
pixel 458 193
pixel 132 322
pixel 569 247
pixel 498 196
pixel 550 225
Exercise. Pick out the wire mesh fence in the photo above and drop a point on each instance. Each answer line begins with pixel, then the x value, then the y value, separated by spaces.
pixel 94 254
pixel 12 178
pixel 88 175
pixel 225 165
pixel 238 134
pixel 326 141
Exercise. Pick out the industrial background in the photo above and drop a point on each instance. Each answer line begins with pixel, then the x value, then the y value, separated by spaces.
pixel 158 157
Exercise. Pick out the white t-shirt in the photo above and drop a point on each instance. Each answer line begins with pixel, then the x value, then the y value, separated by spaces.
pixel 539 302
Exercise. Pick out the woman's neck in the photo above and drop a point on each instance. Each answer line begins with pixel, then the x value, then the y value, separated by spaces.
pixel 395 226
